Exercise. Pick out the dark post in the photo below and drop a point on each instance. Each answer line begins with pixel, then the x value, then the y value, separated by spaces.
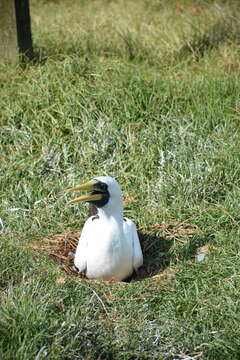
pixel 15 30
pixel 24 28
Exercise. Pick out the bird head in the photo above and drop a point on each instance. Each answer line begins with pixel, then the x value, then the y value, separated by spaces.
pixel 101 191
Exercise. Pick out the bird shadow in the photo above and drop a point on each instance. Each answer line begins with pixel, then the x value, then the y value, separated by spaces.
pixel 155 255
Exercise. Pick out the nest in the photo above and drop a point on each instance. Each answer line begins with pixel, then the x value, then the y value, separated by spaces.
pixel 63 246
pixel 60 247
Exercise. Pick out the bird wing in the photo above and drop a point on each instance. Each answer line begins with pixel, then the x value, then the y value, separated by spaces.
pixel 80 259
pixel 130 231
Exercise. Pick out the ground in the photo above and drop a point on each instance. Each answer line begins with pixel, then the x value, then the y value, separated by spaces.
pixel 148 92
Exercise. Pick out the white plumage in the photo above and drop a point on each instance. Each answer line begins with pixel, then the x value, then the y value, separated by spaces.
pixel 109 247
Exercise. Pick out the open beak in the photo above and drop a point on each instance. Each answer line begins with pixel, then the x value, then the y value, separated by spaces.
pixel 91 187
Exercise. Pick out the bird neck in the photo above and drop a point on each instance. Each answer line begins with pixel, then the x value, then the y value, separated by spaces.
pixel 111 211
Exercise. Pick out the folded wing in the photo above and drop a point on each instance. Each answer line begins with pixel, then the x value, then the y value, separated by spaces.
pixel 130 231
pixel 80 259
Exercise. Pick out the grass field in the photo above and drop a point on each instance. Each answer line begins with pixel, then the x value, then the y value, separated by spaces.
pixel 146 91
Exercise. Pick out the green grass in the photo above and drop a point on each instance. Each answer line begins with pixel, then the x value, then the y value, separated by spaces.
pixel 147 92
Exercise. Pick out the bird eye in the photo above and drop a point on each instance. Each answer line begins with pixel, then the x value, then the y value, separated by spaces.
pixel 101 186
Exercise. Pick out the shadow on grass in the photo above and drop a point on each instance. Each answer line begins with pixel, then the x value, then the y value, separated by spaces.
pixel 43 54
pixel 211 38
pixel 155 254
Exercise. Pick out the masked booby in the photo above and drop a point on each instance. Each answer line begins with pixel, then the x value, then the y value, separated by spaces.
pixel 109 247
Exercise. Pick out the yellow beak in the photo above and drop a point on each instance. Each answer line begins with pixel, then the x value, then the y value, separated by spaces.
pixel 88 186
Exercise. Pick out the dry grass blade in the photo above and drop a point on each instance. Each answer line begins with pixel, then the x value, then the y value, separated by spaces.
pixel 110 298
pixel 60 247
pixel 174 229
pixel 178 231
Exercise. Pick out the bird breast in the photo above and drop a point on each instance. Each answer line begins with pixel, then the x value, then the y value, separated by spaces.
pixel 109 253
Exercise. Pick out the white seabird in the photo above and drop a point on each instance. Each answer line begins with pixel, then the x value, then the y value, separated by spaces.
pixel 109 247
